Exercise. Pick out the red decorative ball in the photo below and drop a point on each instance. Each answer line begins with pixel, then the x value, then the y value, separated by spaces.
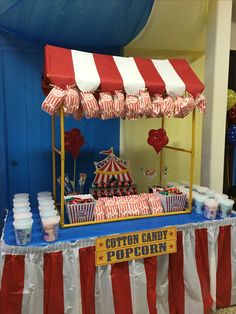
pixel 232 114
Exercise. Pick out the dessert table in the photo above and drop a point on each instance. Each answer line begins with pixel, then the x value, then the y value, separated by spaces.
pixel 61 277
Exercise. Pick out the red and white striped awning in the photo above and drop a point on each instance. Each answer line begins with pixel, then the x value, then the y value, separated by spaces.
pixel 91 72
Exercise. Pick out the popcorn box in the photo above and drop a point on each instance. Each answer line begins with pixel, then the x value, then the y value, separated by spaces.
pixel 172 202
pixel 81 212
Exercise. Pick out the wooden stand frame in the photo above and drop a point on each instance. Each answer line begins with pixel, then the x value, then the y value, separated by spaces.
pixel 61 153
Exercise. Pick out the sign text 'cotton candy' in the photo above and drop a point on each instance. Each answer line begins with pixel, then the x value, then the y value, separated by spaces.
pixel 158 139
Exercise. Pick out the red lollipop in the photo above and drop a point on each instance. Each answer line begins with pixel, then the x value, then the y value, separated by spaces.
pixel 158 139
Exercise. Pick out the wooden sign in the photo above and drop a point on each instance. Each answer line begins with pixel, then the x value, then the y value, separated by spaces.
pixel 135 245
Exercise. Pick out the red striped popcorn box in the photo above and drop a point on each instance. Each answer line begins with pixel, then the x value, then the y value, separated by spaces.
pixel 54 100
pixel 143 207
pixel 134 207
pixel 89 105
pixel 106 105
pixel 131 107
pixel 155 205
pixel 123 209
pixel 172 202
pixel 72 100
pixel 145 104
pixel 99 212
pixel 157 103
pixel 111 209
pixel 81 212
pixel 119 103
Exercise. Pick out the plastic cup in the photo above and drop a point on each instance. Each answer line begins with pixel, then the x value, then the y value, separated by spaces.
pixel 185 183
pixel 199 200
pixel 21 209
pixel 193 198
pixel 210 193
pixel 44 193
pixel 202 190
pixel 225 207
pixel 23 230
pixel 50 228
pixel 46 207
pixel 48 213
pixel 44 198
pixel 21 204
pixel 46 202
pixel 21 195
pixel 20 200
pixel 22 215
pixel 220 196
pixel 195 187
pixel 210 208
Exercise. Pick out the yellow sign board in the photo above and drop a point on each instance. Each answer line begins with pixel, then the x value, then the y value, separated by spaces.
pixel 129 246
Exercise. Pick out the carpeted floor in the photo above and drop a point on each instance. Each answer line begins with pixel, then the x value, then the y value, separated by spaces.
pixel 229 310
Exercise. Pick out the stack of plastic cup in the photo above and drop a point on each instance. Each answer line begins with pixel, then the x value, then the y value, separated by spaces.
pixel 225 207
pixel 23 230
pixel 199 203
pixel 202 190
pixel 49 216
pixel 210 208
pixel 22 219
pixel 210 193
pixel 50 228
pixel 219 196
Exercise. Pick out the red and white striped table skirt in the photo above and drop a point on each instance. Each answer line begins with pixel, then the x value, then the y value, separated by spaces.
pixel 62 278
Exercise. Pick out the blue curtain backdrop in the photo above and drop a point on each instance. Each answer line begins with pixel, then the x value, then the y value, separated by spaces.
pixel 25 130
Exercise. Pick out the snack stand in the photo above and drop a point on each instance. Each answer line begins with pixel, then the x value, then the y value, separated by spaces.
pixel 107 74
pixel 62 277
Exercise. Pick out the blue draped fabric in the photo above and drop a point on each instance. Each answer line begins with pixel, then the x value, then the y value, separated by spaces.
pixel 25 130
pixel 83 24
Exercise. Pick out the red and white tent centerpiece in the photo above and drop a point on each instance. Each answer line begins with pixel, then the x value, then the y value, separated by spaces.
pixel 112 176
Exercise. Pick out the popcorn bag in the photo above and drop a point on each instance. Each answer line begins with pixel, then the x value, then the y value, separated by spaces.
pixel 54 100
pixel 80 212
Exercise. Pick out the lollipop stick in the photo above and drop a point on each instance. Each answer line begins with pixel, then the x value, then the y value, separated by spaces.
pixel 74 172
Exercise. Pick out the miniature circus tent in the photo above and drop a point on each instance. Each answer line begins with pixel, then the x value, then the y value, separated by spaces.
pixel 112 167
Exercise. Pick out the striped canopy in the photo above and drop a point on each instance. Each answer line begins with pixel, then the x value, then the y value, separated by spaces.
pixel 92 72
